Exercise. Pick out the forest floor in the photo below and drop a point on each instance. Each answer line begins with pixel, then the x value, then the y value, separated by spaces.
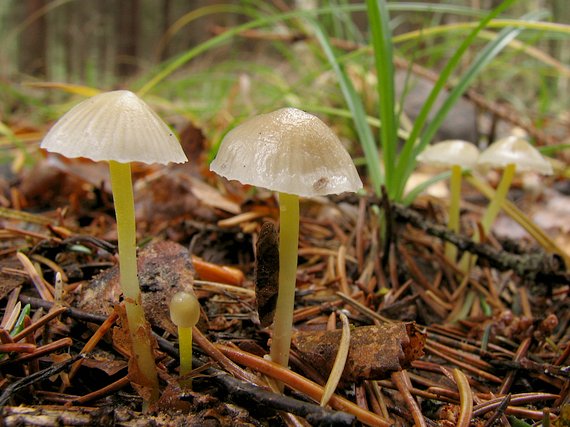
pixel 429 344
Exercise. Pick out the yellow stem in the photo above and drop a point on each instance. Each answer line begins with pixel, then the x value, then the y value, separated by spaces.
pixel 510 209
pixel 288 248
pixel 493 209
pixel 139 329
pixel 453 221
pixel 185 348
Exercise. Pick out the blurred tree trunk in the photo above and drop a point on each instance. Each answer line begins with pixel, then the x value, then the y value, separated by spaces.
pixel 33 39
pixel 95 42
pixel 166 21
pixel 561 48
pixel 57 41
pixel 9 58
pixel 127 33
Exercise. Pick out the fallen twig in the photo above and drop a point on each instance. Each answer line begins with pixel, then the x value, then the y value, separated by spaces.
pixel 247 394
pixel 38 376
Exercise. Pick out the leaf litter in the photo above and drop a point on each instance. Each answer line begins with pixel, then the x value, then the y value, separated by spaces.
pixel 427 345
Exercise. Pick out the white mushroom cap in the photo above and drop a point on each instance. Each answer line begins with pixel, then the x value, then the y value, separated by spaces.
pixel 116 126
pixel 289 151
pixel 450 153
pixel 514 149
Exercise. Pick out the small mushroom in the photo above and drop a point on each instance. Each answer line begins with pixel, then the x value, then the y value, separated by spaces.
pixel 114 126
pixel 120 128
pixel 456 155
pixel 185 313
pixel 512 154
pixel 296 154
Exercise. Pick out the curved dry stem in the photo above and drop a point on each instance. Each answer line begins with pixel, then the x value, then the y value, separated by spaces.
pixel 465 397
pixel 399 380
pixel 339 361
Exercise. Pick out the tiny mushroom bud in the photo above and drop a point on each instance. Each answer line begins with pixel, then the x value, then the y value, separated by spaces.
pixel 296 154
pixel 185 313
pixel 456 155
pixel 121 128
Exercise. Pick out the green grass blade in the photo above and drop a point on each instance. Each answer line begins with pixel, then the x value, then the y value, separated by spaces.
pixel 420 188
pixel 356 108
pixel 546 27
pixel 435 8
pixel 483 58
pixel 549 150
pixel 173 65
pixel 406 160
pixel 381 39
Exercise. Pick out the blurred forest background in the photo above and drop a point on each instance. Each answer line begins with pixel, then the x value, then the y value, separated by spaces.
pixel 109 44
pixel 97 42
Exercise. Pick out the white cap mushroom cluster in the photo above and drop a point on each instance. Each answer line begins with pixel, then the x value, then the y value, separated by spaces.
pixel 512 154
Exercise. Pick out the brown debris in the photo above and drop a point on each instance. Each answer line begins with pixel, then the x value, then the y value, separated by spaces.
pixel 399 273
pixel 9 282
pixel 375 351
pixel 164 269
pixel 266 273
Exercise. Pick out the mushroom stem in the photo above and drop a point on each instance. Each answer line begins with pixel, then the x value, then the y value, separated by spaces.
pixel 500 195
pixel 288 249
pixel 491 213
pixel 139 329
pixel 453 221
pixel 185 348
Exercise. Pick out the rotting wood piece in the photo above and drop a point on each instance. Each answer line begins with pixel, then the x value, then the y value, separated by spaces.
pixel 375 351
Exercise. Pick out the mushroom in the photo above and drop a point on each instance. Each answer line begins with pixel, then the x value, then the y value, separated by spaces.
pixel 295 154
pixel 512 154
pixel 185 313
pixel 456 155
pixel 120 128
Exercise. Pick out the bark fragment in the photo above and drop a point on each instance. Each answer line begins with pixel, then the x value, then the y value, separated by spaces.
pixel 375 351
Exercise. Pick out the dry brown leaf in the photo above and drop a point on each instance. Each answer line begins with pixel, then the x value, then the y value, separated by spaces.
pixel 212 197
pixel 164 269
pixel 9 282
pixel 375 351
pixel 104 361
